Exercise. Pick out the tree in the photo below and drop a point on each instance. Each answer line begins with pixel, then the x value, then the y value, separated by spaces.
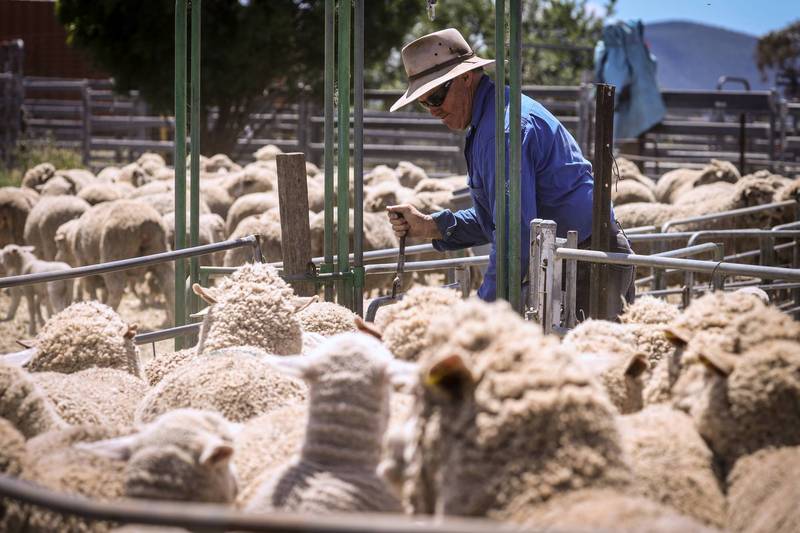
pixel 780 50
pixel 557 37
pixel 250 49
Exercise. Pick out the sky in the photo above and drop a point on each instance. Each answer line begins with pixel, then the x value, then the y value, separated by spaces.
pixel 755 17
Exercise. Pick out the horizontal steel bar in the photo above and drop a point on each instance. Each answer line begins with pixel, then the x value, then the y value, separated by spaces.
pixel 727 233
pixel 169 333
pixel 125 264
pixel 689 251
pixel 692 265
pixel 217 517
pixel 640 229
pixel 726 214
pixel 417 266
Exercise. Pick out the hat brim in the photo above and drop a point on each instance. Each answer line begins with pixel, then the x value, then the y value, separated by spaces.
pixel 427 83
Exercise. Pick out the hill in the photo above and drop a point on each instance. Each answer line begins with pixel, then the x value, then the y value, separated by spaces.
pixel 694 56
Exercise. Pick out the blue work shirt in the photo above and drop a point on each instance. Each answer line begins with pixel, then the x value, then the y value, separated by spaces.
pixel 556 181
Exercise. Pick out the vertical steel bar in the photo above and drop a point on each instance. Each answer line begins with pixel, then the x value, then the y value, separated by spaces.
pixel 515 160
pixel 548 244
pixel 194 146
pixel 330 69
pixel 533 269
pixel 179 161
pixel 796 249
pixel 501 177
pixel 343 151
pixel 570 318
pixel 358 153
pixel 718 280
pixel 601 204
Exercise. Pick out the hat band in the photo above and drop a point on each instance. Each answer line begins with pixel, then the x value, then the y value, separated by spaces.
pixel 454 61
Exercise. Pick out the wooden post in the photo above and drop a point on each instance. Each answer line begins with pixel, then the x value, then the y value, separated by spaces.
pixel 295 231
pixel 601 207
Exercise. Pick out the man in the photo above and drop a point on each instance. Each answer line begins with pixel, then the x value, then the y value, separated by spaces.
pixel 446 77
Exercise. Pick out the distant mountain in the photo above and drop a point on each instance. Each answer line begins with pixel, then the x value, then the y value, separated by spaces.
pixel 694 56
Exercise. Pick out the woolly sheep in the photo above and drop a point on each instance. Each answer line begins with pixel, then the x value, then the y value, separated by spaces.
pixel 156 368
pixel 649 310
pixel 70 181
pixel 380 174
pixel 505 420
pixel 745 402
pixel 326 318
pixel 267 153
pixel 629 191
pixel 405 324
pixel 165 202
pixel 103 192
pixel 248 205
pixel 108 174
pixel 151 188
pixel 46 216
pixel 36 177
pixel 672 464
pixel 349 380
pixel 268 226
pixel 677 182
pixel 24 404
pixel 233 382
pixel 249 181
pixel 253 306
pixel 409 174
pixel 620 375
pixel 84 335
pixel 386 193
pixel 211 229
pixel 221 161
pixel 133 174
pixel 763 491
pixel 12 461
pixel 704 193
pixel 54 296
pixel 94 395
pixel 15 205
pixel 378 232
pixel 152 157
pixel 121 230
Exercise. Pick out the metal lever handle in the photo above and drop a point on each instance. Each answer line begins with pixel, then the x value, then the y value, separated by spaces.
pixel 397 282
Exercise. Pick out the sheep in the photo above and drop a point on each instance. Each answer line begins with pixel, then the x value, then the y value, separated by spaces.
pixel 232 382
pixel 349 380
pixel 151 157
pixel 45 218
pixel 221 162
pixel 404 325
pixel 268 226
pixel 216 198
pixel 12 461
pixel 508 426
pixel 70 181
pixel 36 177
pixel 253 306
pixel 108 174
pixel 629 191
pixel 210 230
pixel 165 202
pixel 247 205
pixel 120 230
pixel 703 193
pixel 133 174
pixel 763 491
pixel 153 187
pixel 94 395
pixel 409 174
pixel 84 335
pixel 326 318
pixel 649 310
pixel 104 192
pixel 15 205
pixel 378 232
pixel 672 464
pixel 620 375
pixel 156 368
pixel 24 404
pixel 267 153
pixel 54 296
pixel 677 182
pixel 380 174
pixel 386 193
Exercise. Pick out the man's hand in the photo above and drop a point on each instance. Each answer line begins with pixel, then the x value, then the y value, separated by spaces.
pixel 407 220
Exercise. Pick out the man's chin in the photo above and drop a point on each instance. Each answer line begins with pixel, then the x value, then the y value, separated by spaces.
pixel 451 125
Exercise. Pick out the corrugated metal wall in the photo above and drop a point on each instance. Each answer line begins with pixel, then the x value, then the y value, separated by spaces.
pixel 46 49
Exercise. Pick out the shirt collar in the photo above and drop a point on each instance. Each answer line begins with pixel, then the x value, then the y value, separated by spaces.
pixel 481 100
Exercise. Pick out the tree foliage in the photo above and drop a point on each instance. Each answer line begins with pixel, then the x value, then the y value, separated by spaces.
pixel 249 49
pixel 780 50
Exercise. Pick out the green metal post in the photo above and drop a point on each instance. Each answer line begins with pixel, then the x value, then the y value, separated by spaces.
pixel 501 228
pixel 358 154
pixel 179 159
pixel 194 200
pixel 343 151
pixel 515 151
pixel 330 8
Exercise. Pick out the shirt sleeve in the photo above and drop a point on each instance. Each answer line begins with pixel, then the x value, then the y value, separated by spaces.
pixel 459 230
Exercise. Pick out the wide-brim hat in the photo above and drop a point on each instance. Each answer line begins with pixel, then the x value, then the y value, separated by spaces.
pixel 434 59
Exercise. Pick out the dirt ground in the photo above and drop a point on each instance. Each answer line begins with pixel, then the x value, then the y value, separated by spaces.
pixel 147 318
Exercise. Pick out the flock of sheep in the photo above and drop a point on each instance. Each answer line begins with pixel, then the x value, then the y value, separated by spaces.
pixel 59 219
pixel 668 420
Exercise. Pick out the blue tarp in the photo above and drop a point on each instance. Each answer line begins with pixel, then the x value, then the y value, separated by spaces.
pixel 623 59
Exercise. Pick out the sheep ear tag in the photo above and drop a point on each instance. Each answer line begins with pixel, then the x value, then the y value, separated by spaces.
pixel 201 313
pixel 450 375
pixel 206 294
pixel 117 448
pixel 19 358
pixel 215 453
pixel 369 329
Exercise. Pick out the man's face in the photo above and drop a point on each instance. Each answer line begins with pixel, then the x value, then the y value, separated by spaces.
pixel 456 110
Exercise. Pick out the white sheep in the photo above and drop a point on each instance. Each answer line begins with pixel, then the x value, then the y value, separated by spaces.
pixel 649 310
pixel 326 318
pixel 104 192
pixel 36 177
pixel 629 191
pixel 53 296
pixel 268 226
pixel 24 404
pixel 15 205
pixel 12 461
pixel 349 380
pixel 267 153
pixel 409 174
pixel 44 219
pixel 156 368
pixel 211 229
pixel 248 205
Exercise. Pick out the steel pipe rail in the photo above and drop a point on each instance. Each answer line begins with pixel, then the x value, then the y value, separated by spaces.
pixel 419 266
pixel 709 267
pixel 689 250
pixel 726 233
pixel 169 333
pixel 134 262
pixel 204 517
pixel 733 213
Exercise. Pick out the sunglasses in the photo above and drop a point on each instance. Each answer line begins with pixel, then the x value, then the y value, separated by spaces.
pixel 438 97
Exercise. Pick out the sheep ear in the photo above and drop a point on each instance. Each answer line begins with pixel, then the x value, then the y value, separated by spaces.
pixel 30 249
pixel 636 366
pixel 370 329
pixel 215 453
pixel 403 374
pixel 292 365
pixel 19 358
pixel 301 303
pixel 204 293
pixel 201 313
pixel 26 343
pixel 719 361
pixel 678 333
pixel 130 331
pixel 119 448
pixel 451 376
